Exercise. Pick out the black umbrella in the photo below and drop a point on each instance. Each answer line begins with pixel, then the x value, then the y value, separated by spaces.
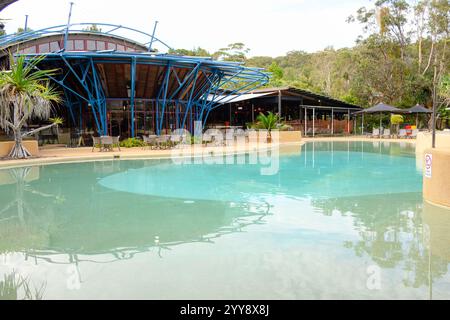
pixel 419 109
pixel 381 108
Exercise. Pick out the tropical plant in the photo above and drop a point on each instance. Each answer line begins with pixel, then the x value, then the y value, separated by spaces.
pixel 25 94
pixel 132 143
pixel 397 120
pixel 269 122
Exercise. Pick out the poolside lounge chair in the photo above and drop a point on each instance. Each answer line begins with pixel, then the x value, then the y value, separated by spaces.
pixel 386 134
pixel 402 134
pixel 414 134
pixel 375 133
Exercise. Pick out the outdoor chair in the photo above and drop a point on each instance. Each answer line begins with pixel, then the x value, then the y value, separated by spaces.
pixel 207 139
pixel 96 143
pixel 402 134
pixel 176 139
pixel 414 134
pixel 116 142
pixel 375 133
pixel 162 142
pixel 107 143
pixel 150 141
pixel 386 134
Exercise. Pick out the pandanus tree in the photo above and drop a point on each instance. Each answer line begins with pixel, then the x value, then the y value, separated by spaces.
pixel 25 94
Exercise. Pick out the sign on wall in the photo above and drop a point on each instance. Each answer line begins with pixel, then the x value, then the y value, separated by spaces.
pixel 428 166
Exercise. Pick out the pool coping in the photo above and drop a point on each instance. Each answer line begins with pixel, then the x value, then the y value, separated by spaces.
pixel 157 155
pixel 120 156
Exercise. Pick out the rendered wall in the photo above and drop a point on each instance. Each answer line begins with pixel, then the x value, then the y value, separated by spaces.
pixel 436 181
pixel 424 141
pixel 290 136
pixel 32 147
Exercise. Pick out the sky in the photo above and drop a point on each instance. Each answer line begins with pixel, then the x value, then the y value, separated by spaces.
pixel 267 27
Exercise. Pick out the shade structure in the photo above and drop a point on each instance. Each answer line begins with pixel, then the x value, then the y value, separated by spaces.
pixel 419 109
pixel 382 108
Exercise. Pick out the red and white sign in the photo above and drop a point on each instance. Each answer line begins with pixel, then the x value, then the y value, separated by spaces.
pixel 428 166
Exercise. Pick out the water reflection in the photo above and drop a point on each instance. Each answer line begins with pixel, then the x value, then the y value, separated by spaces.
pixel 53 213
pixel 61 215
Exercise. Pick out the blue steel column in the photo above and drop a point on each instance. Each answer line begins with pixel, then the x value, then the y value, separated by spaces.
pixel 132 95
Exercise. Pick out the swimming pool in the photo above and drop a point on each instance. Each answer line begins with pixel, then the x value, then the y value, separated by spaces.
pixel 338 220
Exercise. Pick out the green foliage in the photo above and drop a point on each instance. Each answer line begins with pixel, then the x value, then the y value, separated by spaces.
pixel 93 28
pixel 196 52
pixel 444 89
pixel 25 94
pixel 132 143
pixel 397 119
pixel 401 59
pixel 57 121
pixel 234 52
pixel 277 74
pixel 269 122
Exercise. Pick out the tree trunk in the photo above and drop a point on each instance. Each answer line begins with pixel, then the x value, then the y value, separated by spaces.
pixel 18 151
pixel 269 137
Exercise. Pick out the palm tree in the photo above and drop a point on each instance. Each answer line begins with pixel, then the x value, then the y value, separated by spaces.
pixel 25 94
pixel 268 122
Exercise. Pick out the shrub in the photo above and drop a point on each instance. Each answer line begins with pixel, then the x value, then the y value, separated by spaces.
pixel 132 143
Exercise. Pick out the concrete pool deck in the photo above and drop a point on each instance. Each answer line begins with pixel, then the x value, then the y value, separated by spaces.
pixel 49 155
pixel 68 155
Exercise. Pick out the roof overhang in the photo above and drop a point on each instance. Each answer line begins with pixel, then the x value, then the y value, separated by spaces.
pixel 221 99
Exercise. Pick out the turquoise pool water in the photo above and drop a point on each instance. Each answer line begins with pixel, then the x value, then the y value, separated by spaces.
pixel 336 221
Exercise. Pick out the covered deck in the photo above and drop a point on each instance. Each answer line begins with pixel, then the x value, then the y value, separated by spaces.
pixel 313 114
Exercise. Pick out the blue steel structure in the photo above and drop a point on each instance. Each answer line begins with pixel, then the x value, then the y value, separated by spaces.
pixel 185 88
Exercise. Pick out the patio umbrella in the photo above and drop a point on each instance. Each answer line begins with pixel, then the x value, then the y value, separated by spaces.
pixel 419 109
pixel 381 108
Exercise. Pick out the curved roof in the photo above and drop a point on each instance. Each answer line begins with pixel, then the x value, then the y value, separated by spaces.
pixel 104 29
pixel 5 3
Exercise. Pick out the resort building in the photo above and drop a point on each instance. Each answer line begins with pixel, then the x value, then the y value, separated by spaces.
pixel 311 113
pixel 116 86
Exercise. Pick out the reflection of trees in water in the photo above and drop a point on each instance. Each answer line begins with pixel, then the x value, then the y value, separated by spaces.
pixel 392 233
pixel 87 224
